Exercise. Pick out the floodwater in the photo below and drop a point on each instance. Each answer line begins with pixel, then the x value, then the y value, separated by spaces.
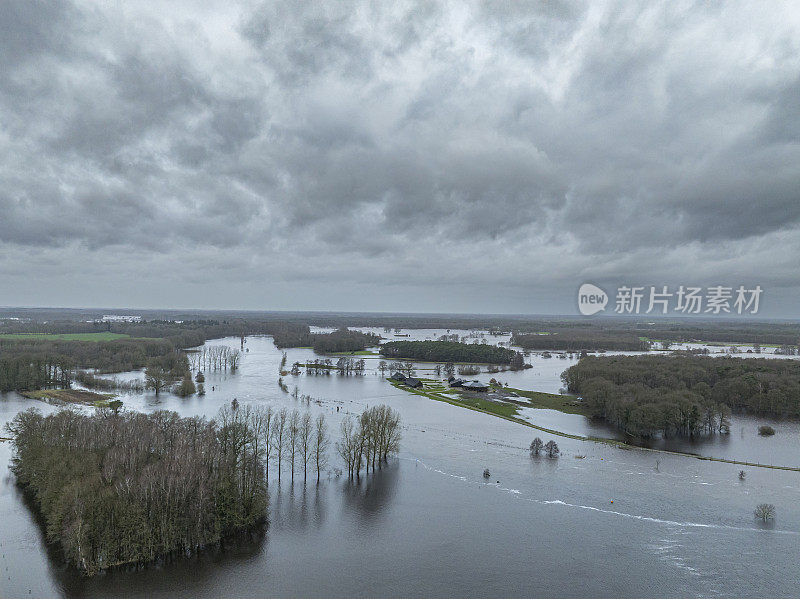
pixel 612 522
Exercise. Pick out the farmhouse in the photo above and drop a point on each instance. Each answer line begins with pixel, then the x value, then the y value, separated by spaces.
pixel 399 377
pixel 475 386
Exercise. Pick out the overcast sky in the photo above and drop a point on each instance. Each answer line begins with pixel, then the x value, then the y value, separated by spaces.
pixel 395 156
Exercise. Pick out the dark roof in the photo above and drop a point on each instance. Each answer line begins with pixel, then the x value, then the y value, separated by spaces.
pixel 412 382
pixel 475 386
pixel 456 383
pixel 398 376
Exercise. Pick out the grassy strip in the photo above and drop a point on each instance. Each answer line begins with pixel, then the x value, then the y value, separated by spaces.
pixel 70 396
pixel 435 393
pixel 363 352
pixel 493 407
pixel 551 401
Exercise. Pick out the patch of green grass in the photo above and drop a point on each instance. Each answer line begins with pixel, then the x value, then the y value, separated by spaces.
pixel 551 401
pixel 102 336
pixel 507 410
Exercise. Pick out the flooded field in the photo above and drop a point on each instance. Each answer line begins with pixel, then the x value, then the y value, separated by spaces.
pixel 598 521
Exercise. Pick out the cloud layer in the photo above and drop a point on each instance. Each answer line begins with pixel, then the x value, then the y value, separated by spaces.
pixel 394 156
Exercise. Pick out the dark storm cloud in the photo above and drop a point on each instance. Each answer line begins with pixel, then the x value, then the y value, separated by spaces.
pixel 522 144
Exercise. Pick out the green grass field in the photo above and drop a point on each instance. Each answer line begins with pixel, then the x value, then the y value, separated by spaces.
pixel 103 336
pixel 551 401
pixel 501 409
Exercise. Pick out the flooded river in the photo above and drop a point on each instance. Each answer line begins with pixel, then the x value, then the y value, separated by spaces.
pixel 625 523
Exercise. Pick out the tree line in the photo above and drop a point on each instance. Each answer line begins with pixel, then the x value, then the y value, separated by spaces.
pixel 214 357
pixel 581 340
pixel 450 351
pixel 292 440
pixel 683 394
pixel 340 340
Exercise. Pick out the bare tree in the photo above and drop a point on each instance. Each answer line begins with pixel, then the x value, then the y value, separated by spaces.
pixel 156 378
pixel 321 443
pixel 765 512
pixel 369 441
pixel 269 418
pixel 305 443
pixel 233 359
pixel 347 445
pixel 293 439
pixel 279 437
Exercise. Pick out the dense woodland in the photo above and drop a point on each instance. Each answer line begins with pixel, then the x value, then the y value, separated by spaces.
pixel 683 394
pixel 129 487
pixel 340 340
pixel 450 351
pixel 577 340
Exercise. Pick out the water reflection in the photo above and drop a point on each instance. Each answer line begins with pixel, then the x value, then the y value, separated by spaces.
pixel 297 506
pixel 184 573
pixel 369 498
pixel 445 531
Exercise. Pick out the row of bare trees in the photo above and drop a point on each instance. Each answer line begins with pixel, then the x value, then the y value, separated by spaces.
pixel 406 368
pixel 317 366
pixel 350 366
pixel 215 357
pixel 289 439
pixel 368 441
pixel 344 366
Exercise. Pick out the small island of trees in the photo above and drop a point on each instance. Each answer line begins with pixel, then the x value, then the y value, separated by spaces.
pixel 124 488
pixel 452 351
pixel 340 340
pixel 128 488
